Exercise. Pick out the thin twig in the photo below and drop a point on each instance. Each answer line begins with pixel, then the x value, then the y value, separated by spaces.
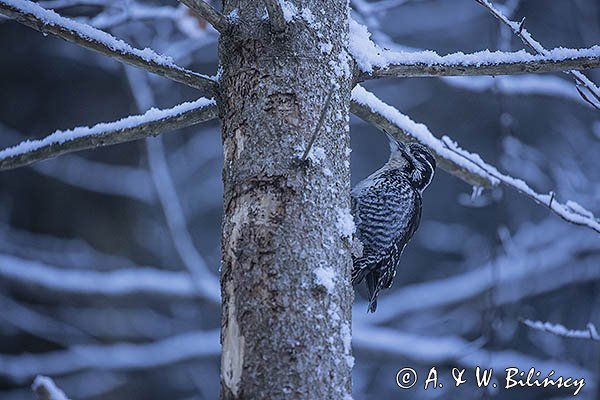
pixel 563 211
pixel 320 123
pixel 122 356
pixel 135 127
pixel 590 333
pixel 45 389
pixel 209 13
pixel 47 21
pixel 276 17
pixel 204 280
pixel 529 41
pixel 146 283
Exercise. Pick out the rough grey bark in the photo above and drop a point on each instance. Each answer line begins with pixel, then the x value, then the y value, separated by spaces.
pixel 285 332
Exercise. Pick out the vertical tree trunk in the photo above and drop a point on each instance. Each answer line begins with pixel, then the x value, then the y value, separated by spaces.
pixel 286 263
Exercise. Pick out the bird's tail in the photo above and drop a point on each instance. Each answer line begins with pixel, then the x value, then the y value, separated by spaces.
pixel 361 267
pixel 372 280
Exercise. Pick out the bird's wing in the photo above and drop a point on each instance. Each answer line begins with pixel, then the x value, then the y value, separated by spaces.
pixel 387 215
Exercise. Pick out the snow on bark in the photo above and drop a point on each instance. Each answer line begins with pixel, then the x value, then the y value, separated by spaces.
pixel 325 277
pixel 286 267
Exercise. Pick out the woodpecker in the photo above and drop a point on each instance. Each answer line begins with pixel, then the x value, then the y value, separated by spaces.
pixel 387 210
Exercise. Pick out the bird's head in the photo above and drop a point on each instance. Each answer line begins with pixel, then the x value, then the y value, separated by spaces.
pixel 414 160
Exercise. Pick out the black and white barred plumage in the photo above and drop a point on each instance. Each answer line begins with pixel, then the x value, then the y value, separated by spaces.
pixel 387 211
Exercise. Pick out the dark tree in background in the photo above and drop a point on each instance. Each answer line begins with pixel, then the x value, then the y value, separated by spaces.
pixel 109 259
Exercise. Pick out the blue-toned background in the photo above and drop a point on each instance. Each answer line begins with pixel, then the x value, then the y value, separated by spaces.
pixel 95 293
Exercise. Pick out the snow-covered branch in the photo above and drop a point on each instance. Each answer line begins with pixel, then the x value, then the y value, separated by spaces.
pixel 45 389
pixel 375 62
pixel 456 161
pixel 518 29
pixel 151 123
pixel 590 333
pixel 120 356
pixel 125 282
pixel 208 12
pixel 385 117
pixel 276 15
pixel 47 21
pixel 570 211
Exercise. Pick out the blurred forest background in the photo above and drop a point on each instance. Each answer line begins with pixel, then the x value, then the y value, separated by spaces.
pixel 94 288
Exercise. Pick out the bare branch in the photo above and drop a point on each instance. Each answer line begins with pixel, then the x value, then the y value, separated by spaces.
pixel 456 161
pixel 276 16
pixel 119 283
pixel 384 117
pixel 590 333
pixel 46 389
pixel 319 124
pixel 209 13
pixel 204 280
pixel 119 356
pixel 47 21
pixel 519 30
pixel 39 324
pixel 135 127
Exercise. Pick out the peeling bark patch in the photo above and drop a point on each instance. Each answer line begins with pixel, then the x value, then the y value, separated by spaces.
pixel 232 359
pixel 285 106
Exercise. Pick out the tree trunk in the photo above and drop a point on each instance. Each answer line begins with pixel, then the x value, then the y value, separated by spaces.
pixel 285 275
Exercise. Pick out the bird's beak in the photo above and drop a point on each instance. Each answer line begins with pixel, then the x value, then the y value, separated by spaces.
pixel 395 145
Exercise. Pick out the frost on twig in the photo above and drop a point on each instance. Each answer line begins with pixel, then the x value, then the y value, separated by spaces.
pixel 45 389
pixel 590 333
pixel 570 211
pixel 151 123
pixel 518 29
pixel 456 161
pixel 208 12
pixel 47 21
pixel 374 62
